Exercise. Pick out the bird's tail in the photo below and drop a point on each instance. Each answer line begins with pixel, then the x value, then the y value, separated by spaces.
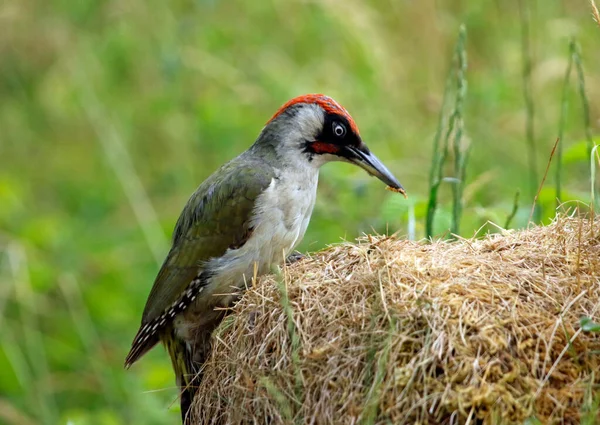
pixel 186 371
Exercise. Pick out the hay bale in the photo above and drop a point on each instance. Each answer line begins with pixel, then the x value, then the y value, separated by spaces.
pixel 388 331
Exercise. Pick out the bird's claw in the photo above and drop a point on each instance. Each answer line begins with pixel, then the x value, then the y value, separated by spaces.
pixel 294 257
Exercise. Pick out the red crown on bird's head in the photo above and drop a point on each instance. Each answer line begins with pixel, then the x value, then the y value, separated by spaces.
pixel 326 103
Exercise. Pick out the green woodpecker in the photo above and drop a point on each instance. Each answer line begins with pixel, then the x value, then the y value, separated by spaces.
pixel 243 219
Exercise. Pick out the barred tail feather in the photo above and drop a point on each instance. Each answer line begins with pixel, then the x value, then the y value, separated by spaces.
pixel 142 343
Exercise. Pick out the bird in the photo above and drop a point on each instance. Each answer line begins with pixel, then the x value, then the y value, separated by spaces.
pixel 245 218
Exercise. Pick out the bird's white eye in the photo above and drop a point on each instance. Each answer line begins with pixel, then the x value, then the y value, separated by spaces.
pixel 338 129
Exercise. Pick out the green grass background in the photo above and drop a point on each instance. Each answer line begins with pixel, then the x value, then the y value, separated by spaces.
pixel 112 112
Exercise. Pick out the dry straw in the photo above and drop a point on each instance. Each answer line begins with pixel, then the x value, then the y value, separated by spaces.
pixel 595 12
pixel 389 331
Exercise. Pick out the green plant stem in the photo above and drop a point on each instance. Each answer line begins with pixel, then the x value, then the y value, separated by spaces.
pixel 457 115
pixel 440 148
pixel 437 161
pixel 564 106
pixel 529 105
pixel 585 104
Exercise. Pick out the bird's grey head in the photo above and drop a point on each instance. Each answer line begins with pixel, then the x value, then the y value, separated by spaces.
pixel 314 129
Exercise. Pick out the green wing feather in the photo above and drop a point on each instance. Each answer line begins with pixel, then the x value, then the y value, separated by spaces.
pixel 216 217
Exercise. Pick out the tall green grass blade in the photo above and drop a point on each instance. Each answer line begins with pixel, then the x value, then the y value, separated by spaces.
pixel 438 158
pixel 564 105
pixel 460 154
pixel 529 104
pixel 455 131
pixel 585 104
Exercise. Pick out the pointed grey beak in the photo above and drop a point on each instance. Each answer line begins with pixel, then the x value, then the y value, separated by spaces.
pixel 372 165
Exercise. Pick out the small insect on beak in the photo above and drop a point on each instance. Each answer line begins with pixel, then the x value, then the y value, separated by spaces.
pixel 366 160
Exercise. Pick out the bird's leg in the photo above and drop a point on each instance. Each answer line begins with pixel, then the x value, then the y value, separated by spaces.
pixel 294 257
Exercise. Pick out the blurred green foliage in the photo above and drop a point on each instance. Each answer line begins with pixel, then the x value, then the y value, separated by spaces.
pixel 112 112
